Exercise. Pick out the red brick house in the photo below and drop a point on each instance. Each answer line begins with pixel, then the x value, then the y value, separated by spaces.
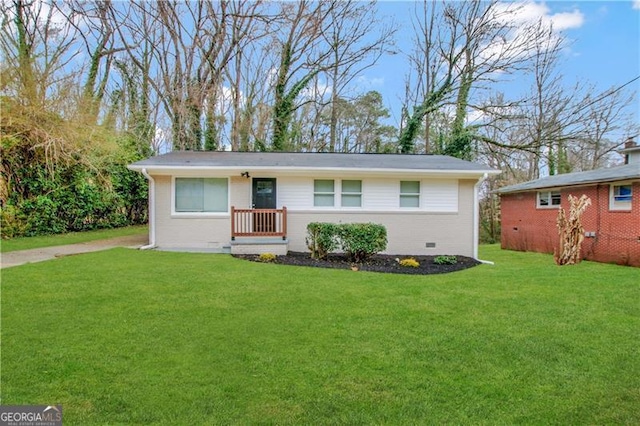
pixel 612 222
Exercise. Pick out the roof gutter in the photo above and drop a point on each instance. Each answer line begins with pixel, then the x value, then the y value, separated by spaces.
pixel 152 211
pixel 168 169
pixel 476 219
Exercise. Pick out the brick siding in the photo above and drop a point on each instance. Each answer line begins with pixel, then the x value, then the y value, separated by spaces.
pixel 525 227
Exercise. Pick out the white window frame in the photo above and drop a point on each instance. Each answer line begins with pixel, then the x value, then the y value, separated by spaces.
pixel 620 205
pixel 333 194
pixel 410 195
pixel 550 198
pixel 196 213
pixel 343 193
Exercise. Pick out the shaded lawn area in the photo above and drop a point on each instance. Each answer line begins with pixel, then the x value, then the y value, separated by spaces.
pixel 27 243
pixel 146 337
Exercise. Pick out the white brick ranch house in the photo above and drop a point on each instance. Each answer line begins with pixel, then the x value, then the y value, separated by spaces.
pixel 246 202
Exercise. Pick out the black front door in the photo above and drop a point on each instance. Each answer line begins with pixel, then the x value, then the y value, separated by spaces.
pixel 264 197
pixel 264 193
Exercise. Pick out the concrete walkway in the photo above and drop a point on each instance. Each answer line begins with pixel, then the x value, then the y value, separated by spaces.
pixel 15 258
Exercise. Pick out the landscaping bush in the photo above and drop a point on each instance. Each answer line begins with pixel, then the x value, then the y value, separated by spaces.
pixel 409 263
pixel 322 239
pixel 360 241
pixel 445 260
pixel 267 257
pixel 72 200
pixel 12 222
pixel 62 175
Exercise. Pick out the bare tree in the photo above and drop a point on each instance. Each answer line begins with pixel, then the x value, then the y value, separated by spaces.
pixel 356 40
pixel 602 118
pixel 42 120
pixel 92 23
pixel 301 57
pixel 475 42
pixel 422 71
pixel 558 128
pixel 191 45
pixel 36 47
pixel 40 85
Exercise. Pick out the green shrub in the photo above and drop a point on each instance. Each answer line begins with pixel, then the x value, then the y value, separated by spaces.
pixel 267 257
pixel 445 260
pixel 43 194
pixel 409 262
pixel 360 241
pixel 12 223
pixel 322 239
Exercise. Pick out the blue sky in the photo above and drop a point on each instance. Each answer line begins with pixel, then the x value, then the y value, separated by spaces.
pixel 604 47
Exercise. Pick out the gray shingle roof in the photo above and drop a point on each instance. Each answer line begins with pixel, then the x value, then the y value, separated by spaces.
pixel 613 174
pixel 282 160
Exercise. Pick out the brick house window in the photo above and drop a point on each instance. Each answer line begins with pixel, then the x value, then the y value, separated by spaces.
pixel 549 199
pixel 620 197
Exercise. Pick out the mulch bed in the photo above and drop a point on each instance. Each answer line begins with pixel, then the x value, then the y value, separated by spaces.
pixel 378 263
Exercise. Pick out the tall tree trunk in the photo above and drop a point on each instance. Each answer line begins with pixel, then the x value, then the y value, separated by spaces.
pixel 29 93
pixel 237 114
pixel 280 110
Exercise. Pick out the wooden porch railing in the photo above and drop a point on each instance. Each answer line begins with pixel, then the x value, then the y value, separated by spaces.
pixel 258 223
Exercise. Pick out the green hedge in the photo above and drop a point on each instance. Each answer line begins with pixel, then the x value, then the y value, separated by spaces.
pixel 73 199
pixel 358 241
pixel 322 239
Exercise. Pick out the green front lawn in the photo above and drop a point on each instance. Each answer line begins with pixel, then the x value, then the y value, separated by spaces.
pixel 28 243
pixel 148 337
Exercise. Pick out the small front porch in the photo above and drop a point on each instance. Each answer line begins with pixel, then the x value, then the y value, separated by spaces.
pixel 256 231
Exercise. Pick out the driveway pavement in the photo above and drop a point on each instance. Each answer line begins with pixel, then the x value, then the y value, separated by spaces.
pixel 15 258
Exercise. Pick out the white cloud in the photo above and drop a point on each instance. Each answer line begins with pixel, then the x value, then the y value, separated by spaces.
pixel 316 89
pixel 636 4
pixel 224 100
pixel 567 20
pixel 531 12
pixel 161 142
pixel 369 82
pixel 44 12
pixel 38 14
pixel 522 12
pixel 272 76
pixel 475 116
pixel 522 18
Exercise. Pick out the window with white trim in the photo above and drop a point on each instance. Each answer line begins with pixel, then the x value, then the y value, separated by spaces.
pixel 323 193
pixel 351 193
pixel 620 197
pixel 409 193
pixel 201 195
pixel 549 199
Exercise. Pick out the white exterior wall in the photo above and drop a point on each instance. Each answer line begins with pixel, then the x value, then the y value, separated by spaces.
pixel 193 230
pixel 445 216
pixel 407 231
pixel 436 195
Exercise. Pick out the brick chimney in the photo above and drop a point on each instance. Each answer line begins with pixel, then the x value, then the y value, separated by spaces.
pixel 630 143
pixel 631 152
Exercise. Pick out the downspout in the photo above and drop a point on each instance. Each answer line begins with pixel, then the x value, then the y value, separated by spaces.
pixel 152 211
pixel 476 219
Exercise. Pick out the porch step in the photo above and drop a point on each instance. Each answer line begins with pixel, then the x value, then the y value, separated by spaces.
pixel 254 245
